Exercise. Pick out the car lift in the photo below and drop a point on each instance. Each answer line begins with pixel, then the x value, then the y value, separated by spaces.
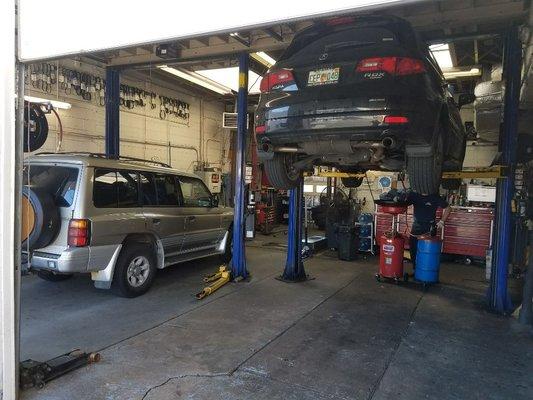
pixel 496 171
pixel 294 266
pixel 219 279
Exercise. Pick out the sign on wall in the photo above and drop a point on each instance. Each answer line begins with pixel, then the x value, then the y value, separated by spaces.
pixel 67 27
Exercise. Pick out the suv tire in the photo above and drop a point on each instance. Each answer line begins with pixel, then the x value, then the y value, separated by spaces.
pixel 425 173
pixel 228 250
pixel 279 171
pixel 52 276
pixel 135 270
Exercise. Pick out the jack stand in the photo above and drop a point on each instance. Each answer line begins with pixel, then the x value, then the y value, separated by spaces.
pixel 294 267
pixel 37 374
pixel 219 279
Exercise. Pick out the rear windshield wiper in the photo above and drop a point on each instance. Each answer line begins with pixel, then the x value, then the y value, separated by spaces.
pixel 340 45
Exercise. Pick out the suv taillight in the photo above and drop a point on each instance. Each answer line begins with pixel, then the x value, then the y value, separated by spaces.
pixel 276 80
pixel 79 232
pixel 392 65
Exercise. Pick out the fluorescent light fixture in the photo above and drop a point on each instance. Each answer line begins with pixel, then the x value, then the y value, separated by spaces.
pixel 197 79
pixel 452 73
pixel 54 103
pixel 229 78
pixel 263 58
pixel 441 52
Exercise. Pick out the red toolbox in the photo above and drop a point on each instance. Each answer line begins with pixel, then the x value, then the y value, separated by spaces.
pixel 468 230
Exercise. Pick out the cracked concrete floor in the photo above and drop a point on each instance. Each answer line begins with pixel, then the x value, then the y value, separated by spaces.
pixel 339 336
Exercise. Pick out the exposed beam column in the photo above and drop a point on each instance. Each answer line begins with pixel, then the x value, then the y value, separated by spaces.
pixel 112 113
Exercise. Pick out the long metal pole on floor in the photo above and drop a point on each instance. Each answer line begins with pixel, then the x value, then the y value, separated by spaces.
pixel 294 267
pixel 112 112
pixel 238 261
pixel 498 296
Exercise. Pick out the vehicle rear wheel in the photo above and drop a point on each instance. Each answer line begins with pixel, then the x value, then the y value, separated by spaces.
pixel 51 276
pixel 352 182
pixel 280 171
pixel 135 270
pixel 425 173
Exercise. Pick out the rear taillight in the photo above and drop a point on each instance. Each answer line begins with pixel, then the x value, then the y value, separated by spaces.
pixel 276 80
pixel 395 119
pixel 79 232
pixel 391 65
pixel 259 129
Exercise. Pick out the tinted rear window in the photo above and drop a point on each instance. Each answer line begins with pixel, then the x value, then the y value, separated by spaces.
pixel 340 40
pixel 60 182
pixel 115 188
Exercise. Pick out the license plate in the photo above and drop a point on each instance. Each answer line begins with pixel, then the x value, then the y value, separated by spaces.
pixel 323 77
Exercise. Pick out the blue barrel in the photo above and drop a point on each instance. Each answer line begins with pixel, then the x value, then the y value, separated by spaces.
pixel 428 259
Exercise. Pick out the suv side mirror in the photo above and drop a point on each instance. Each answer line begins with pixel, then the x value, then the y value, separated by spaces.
pixel 466 98
pixel 214 200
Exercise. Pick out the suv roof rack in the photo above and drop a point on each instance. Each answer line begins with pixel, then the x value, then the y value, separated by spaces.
pixel 107 157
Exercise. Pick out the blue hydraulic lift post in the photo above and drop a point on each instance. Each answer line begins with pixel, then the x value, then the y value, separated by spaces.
pixel 238 261
pixel 112 112
pixel 498 296
pixel 294 267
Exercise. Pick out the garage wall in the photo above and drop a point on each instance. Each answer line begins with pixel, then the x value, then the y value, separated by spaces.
pixel 143 134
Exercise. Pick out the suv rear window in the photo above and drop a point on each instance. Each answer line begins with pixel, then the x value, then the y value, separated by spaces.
pixel 59 181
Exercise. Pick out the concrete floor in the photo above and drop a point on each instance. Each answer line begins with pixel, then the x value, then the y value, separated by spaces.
pixel 339 336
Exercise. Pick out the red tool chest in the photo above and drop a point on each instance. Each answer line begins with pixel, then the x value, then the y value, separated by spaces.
pixel 468 230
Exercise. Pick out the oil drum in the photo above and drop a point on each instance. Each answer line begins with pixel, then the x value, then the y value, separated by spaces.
pixel 428 259
pixel 391 256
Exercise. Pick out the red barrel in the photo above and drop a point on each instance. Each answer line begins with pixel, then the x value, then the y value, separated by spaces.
pixel 391 256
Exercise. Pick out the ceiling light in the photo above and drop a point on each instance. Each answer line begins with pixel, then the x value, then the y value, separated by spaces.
pixel 452 73
pixel 197 79
pixel 54 103
pixel 263 58
pixel 441 52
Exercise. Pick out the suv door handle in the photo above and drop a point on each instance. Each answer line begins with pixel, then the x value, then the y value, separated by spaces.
pixel 156 221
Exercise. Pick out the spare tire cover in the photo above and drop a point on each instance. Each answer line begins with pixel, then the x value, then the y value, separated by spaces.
pixel 40 218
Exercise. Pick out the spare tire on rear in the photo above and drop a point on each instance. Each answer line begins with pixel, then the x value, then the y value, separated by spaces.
pixel 40 218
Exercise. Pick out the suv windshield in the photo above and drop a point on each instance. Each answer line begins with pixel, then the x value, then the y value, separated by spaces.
pixel 59 181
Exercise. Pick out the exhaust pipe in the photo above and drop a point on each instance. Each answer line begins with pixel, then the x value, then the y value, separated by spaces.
pixel 388 142
pixel 285 149
pixel 269 148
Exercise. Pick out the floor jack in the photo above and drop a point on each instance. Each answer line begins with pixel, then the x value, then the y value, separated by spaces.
pixel 37 374
pixel 219 279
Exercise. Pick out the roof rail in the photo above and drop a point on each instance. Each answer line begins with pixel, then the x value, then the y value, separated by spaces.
pixel 107 157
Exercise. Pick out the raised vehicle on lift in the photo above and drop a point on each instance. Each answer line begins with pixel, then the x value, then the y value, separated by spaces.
pixel 359 93
pixel 118 219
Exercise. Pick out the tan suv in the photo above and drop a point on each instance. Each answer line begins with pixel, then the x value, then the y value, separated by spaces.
pixel 119 220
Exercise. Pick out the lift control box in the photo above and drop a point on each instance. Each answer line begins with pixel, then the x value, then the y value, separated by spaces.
pixel 212 177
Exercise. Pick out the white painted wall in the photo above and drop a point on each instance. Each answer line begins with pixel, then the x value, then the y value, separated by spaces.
pixel 143 134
